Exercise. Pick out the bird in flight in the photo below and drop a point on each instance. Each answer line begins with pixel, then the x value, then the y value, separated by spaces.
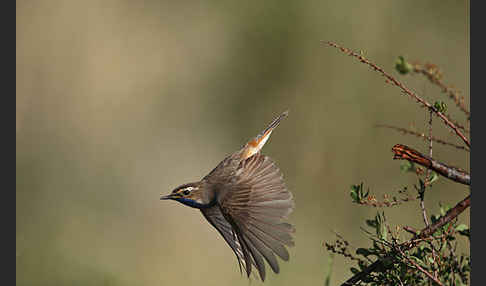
pixel 246 200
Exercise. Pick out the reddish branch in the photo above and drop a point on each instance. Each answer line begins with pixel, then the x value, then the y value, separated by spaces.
pixel 424 233
pixel 450 215
pixel 460 126
pixel 410 229
pixel 403 152
pixel 391 79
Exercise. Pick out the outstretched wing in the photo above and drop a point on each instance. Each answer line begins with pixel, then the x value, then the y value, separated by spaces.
pixel 255 204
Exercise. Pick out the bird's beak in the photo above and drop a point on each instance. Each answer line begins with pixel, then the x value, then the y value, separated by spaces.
pixel 166 197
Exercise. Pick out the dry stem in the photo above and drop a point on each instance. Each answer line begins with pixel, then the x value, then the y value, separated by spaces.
pixel 433 73
pixel 391 79
pixel 418 134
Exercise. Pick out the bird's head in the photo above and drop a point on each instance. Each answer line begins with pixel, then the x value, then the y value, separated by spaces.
pixel 191 194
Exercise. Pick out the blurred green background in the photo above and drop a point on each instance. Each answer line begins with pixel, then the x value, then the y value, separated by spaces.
pixel 120 101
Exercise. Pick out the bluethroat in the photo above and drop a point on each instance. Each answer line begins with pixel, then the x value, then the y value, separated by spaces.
pixel 246 200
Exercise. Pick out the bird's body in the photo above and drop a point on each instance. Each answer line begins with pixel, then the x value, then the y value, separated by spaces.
pixel 246 200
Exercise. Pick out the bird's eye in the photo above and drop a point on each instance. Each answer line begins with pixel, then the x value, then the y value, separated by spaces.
pixel 186 192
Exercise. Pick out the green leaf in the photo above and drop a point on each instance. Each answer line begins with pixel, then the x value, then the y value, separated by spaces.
pixel 402 66
pixel 433 177
pixel 440 106
pixel 406 166
pixel 419 262
pixel 327 281
pixel 444 209
pixel 461 227
pixel 384 232
pixel 354 270
pixel 363 251
pixel 354 195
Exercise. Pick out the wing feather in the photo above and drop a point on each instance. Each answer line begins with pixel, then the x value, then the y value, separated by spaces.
pixel 217 220
pixel 256 203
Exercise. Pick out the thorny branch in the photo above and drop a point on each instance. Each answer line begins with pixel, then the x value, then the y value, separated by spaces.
pixel 391 79
pixel 430 144
pixel 460 126
pixel 418 134
pixel 433 73
pixel 424 233
pixel 427 182
pixel 450 215
pixel 403 152
pixel 422 205
pixel 431 277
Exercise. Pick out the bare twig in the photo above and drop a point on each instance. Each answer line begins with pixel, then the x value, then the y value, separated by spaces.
pixel 391 79
pixel 341 247
pixel 430 146
pixel 427 183
pixel 433 73
pixel 422 206
pixel 418 134
pixel 410 229
pixel 458 125
pixel 406 153
pixel 424 213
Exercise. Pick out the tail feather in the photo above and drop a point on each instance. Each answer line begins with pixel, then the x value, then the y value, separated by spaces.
pixel 257 143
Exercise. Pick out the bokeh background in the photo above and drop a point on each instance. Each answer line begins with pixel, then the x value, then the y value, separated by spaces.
pixel 120 101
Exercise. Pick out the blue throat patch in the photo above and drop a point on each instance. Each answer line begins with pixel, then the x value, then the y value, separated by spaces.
pixel 194 204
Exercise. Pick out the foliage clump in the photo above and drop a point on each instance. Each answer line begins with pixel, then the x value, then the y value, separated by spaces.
pixel 403 255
